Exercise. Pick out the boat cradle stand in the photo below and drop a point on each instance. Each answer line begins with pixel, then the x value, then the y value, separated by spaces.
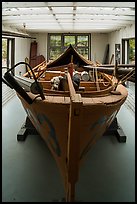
pixel 115 129
pixel 28 129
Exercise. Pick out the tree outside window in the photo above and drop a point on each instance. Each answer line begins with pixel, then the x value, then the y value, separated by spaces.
pixel 132 51
pixel 4 52
pixel 58 43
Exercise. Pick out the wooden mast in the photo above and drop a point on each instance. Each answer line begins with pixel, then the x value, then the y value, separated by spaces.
pixel 73 149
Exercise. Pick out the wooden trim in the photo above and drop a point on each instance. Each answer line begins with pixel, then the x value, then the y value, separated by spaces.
pixel 12 54
pixel 123 51
pixel 73 149
pixel 71 87
pixel 8 33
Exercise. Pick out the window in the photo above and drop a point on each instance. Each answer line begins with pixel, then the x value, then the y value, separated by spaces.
pixel 131 51
pixel 128 51
pixel 4 53
pixel 58 43
pixel 117 53
pixel 7 54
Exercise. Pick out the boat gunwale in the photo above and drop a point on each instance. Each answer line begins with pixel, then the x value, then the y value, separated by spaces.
pixel 83 93
pixel 94 100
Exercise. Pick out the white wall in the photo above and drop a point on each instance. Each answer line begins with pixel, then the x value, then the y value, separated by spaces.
pixel 22 47
pixel 98 45
pixel 22 50
pixel 41 40
pixel 99 42
pixel 117 36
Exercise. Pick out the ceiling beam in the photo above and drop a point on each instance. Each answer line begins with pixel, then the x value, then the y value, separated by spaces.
pixel 68 16
pixel 107 4
pixel 63 16
pixel 67 4
pixel 78 10
pixel 48 21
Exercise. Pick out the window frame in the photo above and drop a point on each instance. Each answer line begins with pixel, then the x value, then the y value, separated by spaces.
pixel 64 47
pixel 10 53
pixel 125 50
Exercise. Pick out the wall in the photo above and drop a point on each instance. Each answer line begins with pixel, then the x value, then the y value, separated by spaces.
pixel 99 42
pixel 22 47
pixel 41 39
pixel 117 36
pixel 98 45
pixel 22 50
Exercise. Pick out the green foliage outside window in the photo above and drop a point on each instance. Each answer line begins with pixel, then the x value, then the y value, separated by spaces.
pixel 55 40
pixel 82 41
pixel 69 40
pixel 4 52
pixel 4 48
pixel 58 43
pixel 132 49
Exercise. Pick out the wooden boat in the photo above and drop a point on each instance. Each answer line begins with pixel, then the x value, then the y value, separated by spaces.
pixel 70 119
pixel 123 71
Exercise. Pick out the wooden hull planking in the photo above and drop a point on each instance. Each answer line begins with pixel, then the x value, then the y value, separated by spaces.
pixel 89 120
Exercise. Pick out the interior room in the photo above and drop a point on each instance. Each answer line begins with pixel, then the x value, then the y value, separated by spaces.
pixel 75 142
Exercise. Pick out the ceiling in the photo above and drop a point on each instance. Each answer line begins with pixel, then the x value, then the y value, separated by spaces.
pixel 34 17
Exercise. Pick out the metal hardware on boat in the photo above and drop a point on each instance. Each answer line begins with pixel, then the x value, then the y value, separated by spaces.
pixel 76 74
pixel 28 84
pixel 11 80
pixel 3 80
pixel 34 88
pixel 85 76
pixel 81 88
pixel 18 88
pixel 76 82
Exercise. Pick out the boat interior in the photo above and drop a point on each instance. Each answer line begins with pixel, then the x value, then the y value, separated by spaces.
pixel 83 82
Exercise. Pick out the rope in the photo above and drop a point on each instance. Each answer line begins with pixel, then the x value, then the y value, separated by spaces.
pixel 125 78
pixel 97 84
pixel 104 82
pixel 93 74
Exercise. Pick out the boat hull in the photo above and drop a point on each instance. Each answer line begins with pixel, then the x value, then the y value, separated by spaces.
pixel 51 119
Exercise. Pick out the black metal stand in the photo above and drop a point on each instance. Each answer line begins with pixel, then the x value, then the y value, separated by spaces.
pixel 115 129
pixel 28 129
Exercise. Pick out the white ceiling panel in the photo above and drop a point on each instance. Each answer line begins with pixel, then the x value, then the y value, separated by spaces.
pixel 63 10
pixel 68 16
